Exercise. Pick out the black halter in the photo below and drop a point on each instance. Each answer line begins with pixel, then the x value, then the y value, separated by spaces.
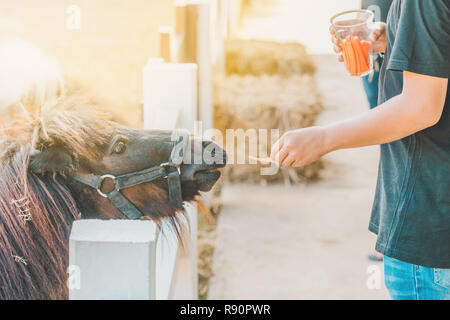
pixel 169 170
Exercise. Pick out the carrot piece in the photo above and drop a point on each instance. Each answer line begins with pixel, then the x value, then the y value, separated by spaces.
pixel 345 55
pixel 366 46
pixel 348 62
pixel 352 57
pixel 349 58
pixel 357 56
pixel 363 58
pixel 358 60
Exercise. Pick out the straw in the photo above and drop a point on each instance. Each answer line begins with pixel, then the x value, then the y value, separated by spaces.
pixel 263 160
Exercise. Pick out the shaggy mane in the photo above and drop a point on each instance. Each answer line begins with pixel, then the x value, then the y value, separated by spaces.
pixel 35 248
pixel 70 122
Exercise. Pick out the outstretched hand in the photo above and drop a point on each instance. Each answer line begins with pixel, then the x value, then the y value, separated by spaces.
pixel 300 147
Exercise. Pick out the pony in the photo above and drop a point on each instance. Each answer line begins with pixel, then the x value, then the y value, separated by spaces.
pixel 48 137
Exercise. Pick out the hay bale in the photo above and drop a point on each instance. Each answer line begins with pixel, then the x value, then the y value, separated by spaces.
pixel 266 102
pixel 256 57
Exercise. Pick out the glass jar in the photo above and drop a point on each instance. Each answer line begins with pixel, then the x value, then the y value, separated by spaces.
pixel 353 30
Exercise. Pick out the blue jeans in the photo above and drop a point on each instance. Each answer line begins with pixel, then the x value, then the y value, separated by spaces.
pixel 406 281
pixel 370 83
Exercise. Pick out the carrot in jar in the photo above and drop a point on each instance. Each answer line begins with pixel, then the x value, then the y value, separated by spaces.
pixel 362 57
pixel 345 55
pixel 365 47
pixel 354 42
pixel 352 56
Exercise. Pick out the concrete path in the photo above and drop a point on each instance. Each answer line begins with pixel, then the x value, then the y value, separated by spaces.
pixel 304 242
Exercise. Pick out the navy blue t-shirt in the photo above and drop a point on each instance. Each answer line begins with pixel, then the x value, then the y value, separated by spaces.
pixel 379 7
pixel 411 211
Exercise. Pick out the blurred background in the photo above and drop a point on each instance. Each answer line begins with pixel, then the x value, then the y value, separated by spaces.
pixel 106 54
pixel 116 38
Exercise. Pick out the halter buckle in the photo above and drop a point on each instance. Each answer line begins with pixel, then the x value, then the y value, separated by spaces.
pixel 170 165
pixel 100 184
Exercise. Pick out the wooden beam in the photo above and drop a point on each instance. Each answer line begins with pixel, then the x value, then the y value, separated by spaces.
pixel 191 33
pixel 204 61
pixel 164 43
pixel 180 18
pixel 180 31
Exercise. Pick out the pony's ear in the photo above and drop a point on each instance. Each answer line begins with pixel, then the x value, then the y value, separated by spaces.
pixel 53 161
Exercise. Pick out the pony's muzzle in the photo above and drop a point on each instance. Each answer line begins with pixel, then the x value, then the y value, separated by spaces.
pixel 203 169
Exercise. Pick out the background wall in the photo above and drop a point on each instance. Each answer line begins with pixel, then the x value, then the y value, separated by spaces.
pixel 309 25
pixel 105 56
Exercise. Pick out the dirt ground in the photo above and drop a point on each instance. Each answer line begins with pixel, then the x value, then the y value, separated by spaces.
pixel 304 242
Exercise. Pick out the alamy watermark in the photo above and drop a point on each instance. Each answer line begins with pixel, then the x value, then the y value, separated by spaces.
pixel 249 146
pixel 376 11
pixel 73 21
pixel 374 279
pixel 74 278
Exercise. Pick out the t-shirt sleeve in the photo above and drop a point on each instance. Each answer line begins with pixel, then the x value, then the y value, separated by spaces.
pixel 422 41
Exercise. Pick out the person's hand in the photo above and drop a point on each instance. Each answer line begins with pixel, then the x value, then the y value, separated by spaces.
pixel 336 43
pixel 378 38
pixel 299 148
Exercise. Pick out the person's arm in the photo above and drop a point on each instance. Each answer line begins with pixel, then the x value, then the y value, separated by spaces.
pixel 418 107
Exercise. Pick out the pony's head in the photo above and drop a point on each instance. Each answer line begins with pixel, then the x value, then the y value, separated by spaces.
pixel 70 141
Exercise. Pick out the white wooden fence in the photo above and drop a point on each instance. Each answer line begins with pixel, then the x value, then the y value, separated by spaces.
pixel 121 259
pixel 128 260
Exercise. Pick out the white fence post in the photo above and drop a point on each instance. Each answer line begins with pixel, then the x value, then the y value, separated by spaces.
pixel 170 95
pixel 185 281
pixel 114 259
pixel 194 39
pixel 176 267
pixel 170 92
pixel 230 12
pixel 204 61
pixel 218 32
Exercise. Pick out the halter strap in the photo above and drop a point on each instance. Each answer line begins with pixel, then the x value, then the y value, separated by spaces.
pixel 169 170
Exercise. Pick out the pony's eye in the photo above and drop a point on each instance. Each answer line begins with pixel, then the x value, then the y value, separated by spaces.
pixel 120 147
